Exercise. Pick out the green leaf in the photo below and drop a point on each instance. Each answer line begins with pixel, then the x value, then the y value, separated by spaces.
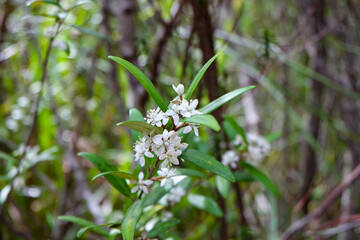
pixel 103 166
pixel 237 128
pixel 116 173
pixel 83 222
pixel 78 3
pixel 261 177
pixel 224 99
pixel 189 172
pixel 163 227
pixel 199 75
pixel 89 31
pixel 243 177
pixel 273 136
pixel 135 115
pixel 205 203
pixel 145 217
pixel 130 220
pixel 223 186
pixel 93 227
pixel 207 162
pixel 145 81
pixel 28 3
pixel 154 196
pixel 140 126
pixel 203 119
pixel 7 157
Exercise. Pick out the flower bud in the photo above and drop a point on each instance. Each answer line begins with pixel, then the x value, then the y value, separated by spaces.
pixel 179 89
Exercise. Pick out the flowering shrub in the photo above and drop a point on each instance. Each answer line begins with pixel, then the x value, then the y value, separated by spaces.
pixel 161 152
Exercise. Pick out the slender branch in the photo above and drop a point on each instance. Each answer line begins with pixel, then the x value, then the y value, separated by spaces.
pixel 151 173
pixel 161 44
pixel 58 24
pixel 154 168
pixel 301 223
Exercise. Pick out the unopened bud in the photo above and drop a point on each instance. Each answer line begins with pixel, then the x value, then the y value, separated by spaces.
pixel 179 89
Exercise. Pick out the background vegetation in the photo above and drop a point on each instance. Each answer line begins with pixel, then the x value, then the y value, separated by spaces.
pixel 60 95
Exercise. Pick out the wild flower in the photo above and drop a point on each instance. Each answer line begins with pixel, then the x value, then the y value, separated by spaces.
pixel 141 184
pixel 176 194
pixel 230 158
pixel 141 149
pixel 156 117
pixel 166 174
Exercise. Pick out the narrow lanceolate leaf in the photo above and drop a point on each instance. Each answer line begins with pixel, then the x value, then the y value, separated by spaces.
pixel 189 172
pixel 83 222
pixel 237 128
pixel 199 75
pixel 223 186
pixel 140 126
pixel 130 220
pixel 145 81
pixel 28 3
pixel 261 177
pixel 208 163
pixel 224 99
pixel 163 227
pixel 203 119
pixel 116 173
pixel 135 115
pixel 273 136
pixel 243 177
pixel 104 166
pixel 155 195
pixel 94 227
pixel 205 203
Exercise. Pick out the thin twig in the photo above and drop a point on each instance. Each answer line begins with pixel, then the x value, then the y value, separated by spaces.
pixel 58 23
pixel 301 223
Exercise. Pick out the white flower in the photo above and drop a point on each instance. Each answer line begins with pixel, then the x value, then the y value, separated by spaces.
pixel 191 126
pixel 141 184
pixel 174 114
pixel 230 158
pixel 258 148
pixel 187 109
pixel 170 156
pixel 238 140
pixel 168 146
pixel 166 173
pixel 156 117
pixel 142 149
pixel 167 216
pixel 176 194
pixel 179 89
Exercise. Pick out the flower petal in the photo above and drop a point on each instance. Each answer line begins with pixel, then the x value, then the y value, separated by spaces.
pixel 134 189
pixel 187 129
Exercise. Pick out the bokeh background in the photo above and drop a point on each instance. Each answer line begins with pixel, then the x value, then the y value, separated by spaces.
pixel 60 95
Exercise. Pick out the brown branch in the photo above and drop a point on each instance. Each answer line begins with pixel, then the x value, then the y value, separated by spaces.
pixel 239 199
pixel 161 44
pixel 187 48
pixel 301 223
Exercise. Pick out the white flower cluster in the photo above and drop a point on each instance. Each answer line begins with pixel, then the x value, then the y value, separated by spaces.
pixel 167 146
pixel 257 149
pixel 179 109
pixel 175 194
pixel 230 159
